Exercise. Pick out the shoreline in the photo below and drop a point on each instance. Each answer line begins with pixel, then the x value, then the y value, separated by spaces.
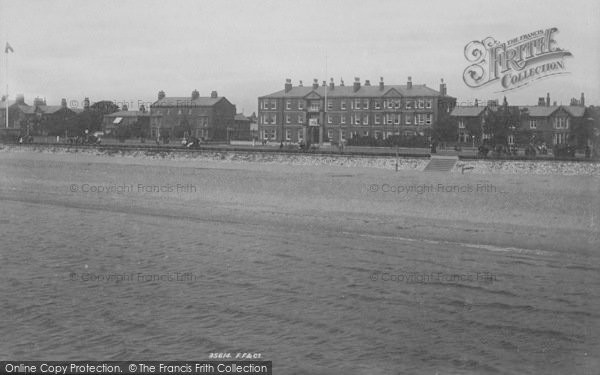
pixel 552 212
pixel 463 166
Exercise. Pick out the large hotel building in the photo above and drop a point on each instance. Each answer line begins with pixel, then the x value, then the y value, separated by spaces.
pixel 330 113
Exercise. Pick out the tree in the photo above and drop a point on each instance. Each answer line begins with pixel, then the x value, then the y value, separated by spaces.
pixel 445 129
pixel 502 122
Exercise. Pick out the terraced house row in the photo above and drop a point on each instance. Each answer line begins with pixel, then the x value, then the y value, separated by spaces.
pixel 544 123
pixel 330 113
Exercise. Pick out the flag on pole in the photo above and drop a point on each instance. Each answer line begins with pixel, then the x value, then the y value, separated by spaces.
pixel 8 48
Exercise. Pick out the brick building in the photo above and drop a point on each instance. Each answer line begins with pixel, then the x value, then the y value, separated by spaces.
pixel 141 119
pixel 542 123
pixel 19 113
pixel 334 113
pixel 207 118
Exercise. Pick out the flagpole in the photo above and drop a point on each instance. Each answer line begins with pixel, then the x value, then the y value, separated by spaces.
pixel 325 109
pixel 6 78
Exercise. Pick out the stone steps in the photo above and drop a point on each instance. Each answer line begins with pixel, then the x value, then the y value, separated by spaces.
pixel 441 164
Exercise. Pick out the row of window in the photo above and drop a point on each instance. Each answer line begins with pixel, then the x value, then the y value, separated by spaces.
pixel 357 119
pixel 557 122
pixel 178 111
pixel 271 134
pixel 271 104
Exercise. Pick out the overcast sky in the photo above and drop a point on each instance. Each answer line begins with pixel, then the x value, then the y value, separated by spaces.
pixel 127 51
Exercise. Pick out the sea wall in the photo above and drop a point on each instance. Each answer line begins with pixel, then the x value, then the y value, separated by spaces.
pixel 538 167
pixel 510 167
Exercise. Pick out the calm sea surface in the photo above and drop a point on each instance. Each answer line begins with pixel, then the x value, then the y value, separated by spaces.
pixel 81 282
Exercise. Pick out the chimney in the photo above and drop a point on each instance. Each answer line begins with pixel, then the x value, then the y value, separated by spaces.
pixel 38 102
pixel 315 83
pixel 161 95
pixel 341 82
pixel 443 90
pixel 476 103
pixel 288 85
pixel 125 107
pixel 300 84
pixel 367 82
pixel 356 84
pixel 541 102
pixel 324 83
pixel 86 104
pixel 63 103
pixel 409 83
pixel 547 99
pixel 20 99
pixel 331 84
pixel 213 94
pixel 582 101
pixel 381 85
pixel 195 94
pixel 143 108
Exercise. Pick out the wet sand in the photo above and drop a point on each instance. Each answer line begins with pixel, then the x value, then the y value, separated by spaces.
pixel 304 243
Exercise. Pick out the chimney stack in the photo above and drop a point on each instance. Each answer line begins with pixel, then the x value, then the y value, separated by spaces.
pixel 324 83
pixel 315 83
pixel 443 90
pixel 476 103
pixel 195 94
pixel 356 84
pixel 331 84
pixel 143 108
pixel 213 94
pixel 300 84
pixel 125 107
pixel 409 83
pixel 38 102
pixel 161 95
pixel 367 82
pixel 381 85
pixel 548 99
pixel 288 85
pixel 582 101
pixel 86 104
pixel 20 99
pixel 63 103
pixel 341 82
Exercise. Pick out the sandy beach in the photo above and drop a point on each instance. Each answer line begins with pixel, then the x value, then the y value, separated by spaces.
pixel 262 234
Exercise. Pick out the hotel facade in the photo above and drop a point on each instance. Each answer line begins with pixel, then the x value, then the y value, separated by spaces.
pixel 330 113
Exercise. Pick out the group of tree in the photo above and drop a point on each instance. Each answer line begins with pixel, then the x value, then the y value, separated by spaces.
pixel 501 122
pixel 72 123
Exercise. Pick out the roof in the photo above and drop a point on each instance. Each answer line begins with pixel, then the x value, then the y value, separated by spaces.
pixel 3 103
pixel 129 114
pixel 27 109
pixel 470 111
pixel 545 111
pixel 348 91
pixel 49 109
pixel 574 110
pixel 240 117
pixel 124 114
pixel 186 101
